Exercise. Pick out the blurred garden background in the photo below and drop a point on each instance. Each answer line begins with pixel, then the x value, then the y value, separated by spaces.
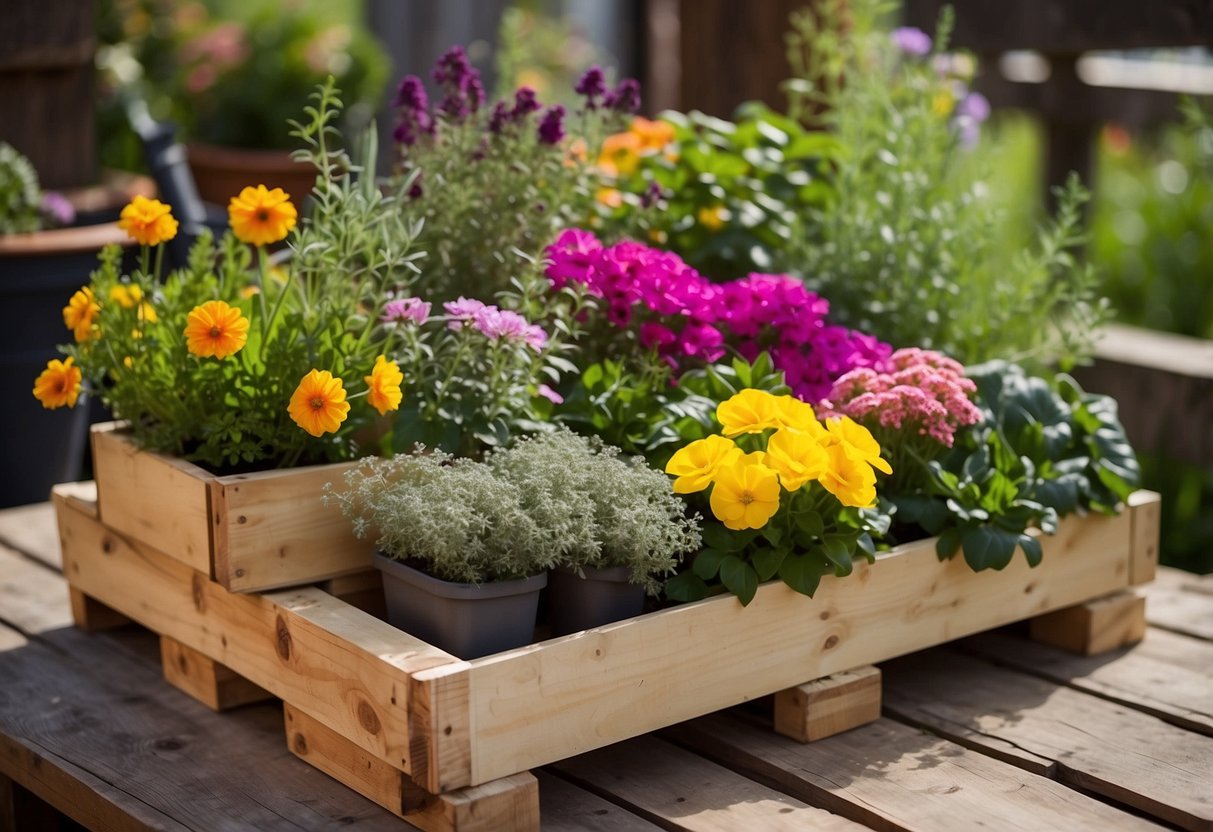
pixel 1119 93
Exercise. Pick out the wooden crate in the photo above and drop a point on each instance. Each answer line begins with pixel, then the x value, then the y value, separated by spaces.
pixel 450 724
pixel 249 532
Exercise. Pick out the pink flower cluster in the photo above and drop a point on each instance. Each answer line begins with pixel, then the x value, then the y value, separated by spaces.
pixel 495 324
pixel 922 390
pixel 682 315
pixel 406 309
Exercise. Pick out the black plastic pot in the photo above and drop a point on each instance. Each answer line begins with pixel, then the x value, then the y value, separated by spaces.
pixel 465 620
pixel 602 596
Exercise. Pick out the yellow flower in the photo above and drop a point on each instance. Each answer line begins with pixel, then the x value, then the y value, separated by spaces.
pixel 127 295
pixel 383 385
pixel 712 217
pixel 942 103
pixel 58 384
pixel 745 495
pixel 80 312
pixel 658 236
pixel 147 313
pixel 796 456
pixel 620 154
pixel 695 465
pixel 749 411
pixel 217 329
pixel 857 442
pixel 148 221
pixel 652 135
pixel 318 404
pixel 850 480
pixel 610 197
pixel 260 216
pixel 791 412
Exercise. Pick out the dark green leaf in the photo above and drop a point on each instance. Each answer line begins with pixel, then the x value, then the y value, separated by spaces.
pixel 739 578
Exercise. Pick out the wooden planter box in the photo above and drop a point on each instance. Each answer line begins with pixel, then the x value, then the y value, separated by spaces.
pixel 418 717
pixel 247 531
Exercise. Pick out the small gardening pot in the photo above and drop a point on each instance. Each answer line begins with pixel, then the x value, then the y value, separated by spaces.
pixel 465 620
pixel 602 596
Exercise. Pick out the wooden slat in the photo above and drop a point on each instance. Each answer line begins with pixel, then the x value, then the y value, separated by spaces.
pixel 346 668
pixel 510 804
pixel 158 500
pixel 564 807
pixel 1147 521
pixel 10 639
pixel 87 725
pixel 206 680
pixel 1104 748
pixel 1094 627
pixel 31 531
pixel 1167 675
pixel 679 790
pixel 552 701
pixel 893 777
pixel 829 706
pixel 32 597
pixel 1180 602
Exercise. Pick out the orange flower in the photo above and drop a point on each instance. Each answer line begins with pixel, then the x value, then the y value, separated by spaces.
pixel 620 154
pixel 260 216
pixel 318 404
pixel 216 329
pixel 58 384
pixel 148 221
pixel 383 385
pixel 80 313
pixel 653 135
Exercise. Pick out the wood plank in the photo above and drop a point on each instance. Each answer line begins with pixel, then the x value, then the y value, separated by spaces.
pixel 1178 601
pixel 1147 528
pixel 31 531
pixel 829 706
pixel 211 683
pixel 88 726
pixel 154 498
pixel 272 529
pixel 10 639
pixel 564 807
pixel 1104 748
pixel 1094 627
pixel 678 790
pixel 1167 675
pixel 560 698
pixel 507 805
pixel 893 777
pixel 33 599
pixel 346 668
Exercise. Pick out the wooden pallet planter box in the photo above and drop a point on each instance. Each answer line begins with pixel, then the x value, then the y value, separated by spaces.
pixel 449 724
pixel 249 532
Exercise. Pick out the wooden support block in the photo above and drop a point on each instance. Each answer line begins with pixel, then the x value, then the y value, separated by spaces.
pixel 1094 627
pixel 1146 508
pixel 828 706
pixel 213 684
pixel 510 804
pixel 91 615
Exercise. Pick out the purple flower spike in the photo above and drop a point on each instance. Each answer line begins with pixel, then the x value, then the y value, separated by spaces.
pixel 498 118
pixel 911 41
pixel 525 103
pixel 551 128
pixel 592 84
pixel 411 94
pixel 625 98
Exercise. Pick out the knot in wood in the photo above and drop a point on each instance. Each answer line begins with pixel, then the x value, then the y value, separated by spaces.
pixel 282 639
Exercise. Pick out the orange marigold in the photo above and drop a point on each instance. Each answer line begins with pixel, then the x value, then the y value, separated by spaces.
pixel 80 313
pixel 318 404
pixel 383 385
pixel 58 384
pixel 148 221
pixel 260 216
pixel 215 329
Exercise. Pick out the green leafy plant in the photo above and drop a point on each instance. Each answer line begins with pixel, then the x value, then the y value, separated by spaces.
pixel 20 196
pixel 1043 451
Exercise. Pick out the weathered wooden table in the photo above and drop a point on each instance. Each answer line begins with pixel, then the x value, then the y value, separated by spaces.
pixel 994 732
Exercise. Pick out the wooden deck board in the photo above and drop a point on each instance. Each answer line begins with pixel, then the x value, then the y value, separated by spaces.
pixel 1181 602
pixel 33 598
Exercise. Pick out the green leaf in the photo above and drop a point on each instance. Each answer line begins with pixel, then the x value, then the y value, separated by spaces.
pixel 948 543
pixel 811 524
pixel 837 549
pixel 686 586
pixel 1031 549
pixel 739 578
pixel 773 534
pixel 767 561
pixel 988 547
pixel 716 536
pixel 802 573
pixel 707 563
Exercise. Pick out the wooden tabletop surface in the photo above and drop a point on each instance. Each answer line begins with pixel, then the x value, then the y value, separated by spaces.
pixel 992 732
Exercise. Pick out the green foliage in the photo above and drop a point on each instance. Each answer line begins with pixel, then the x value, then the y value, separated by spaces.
pixel 554 499
pixel 1044 450
pixel 732 192
pixel 20 196
pixel 907 249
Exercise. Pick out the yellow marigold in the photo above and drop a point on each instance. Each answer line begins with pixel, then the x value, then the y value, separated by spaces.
pixel 383 385
pixel 712 217
pixel 80 313
pixel 620 155
pixel 857 442
pixel 749 411
pixel 694 465
pixel 58 384
pixel 215 329
pixel 745 494
pixel 652 135
pixel 318 404
pixel 128 295
pixel 260 216
pixel 148 221
pixel 850 480
pixel 797 457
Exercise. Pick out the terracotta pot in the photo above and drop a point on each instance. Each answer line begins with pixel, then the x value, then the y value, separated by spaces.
pixel 465 620
pixel 221 172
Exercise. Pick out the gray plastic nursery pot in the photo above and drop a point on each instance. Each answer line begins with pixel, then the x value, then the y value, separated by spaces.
pixel 465 620
pixel 602 596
